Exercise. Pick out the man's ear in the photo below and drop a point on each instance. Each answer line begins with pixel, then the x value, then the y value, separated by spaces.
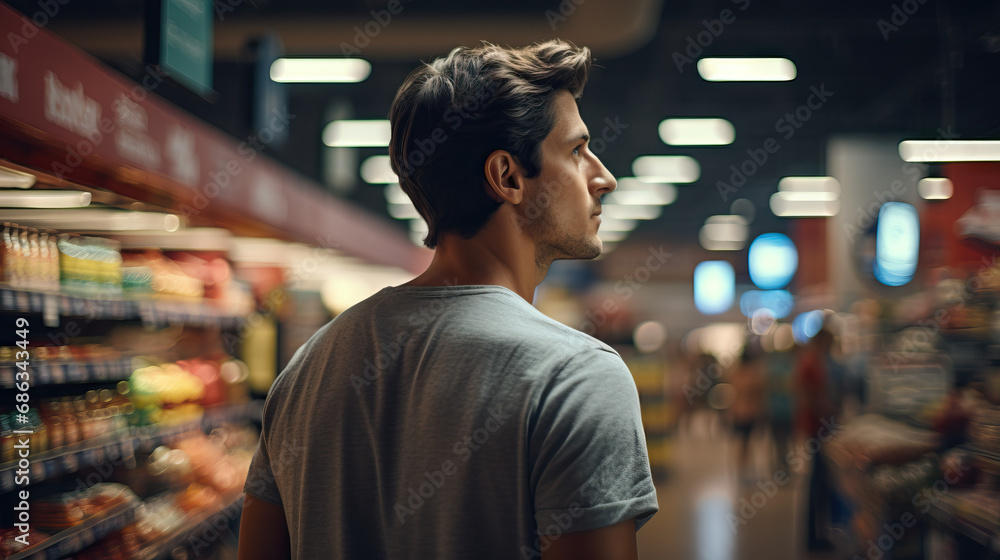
pixel 504 178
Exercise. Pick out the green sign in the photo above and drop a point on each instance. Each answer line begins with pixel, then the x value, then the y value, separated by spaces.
pixel 186 46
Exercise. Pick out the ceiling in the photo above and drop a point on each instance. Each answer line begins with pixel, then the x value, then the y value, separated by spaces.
pixel 938 68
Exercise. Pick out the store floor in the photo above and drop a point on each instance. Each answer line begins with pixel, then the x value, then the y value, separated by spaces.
pixel 700 504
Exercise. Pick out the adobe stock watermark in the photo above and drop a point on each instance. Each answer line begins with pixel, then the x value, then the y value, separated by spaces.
pixel 611 131
pixel 537 207
pixel 867 215
pixel 922 501
pixel 787 126
pixel 899 16
pixel 626 288
pixel 421 149
pixel 223 7
pixel 561 523
pixel 928 329
pixel 593 491
pixel 289 453
pixel 219 180
pixel 463 450
pixel 326 250
pixel 213 529
pixel 47 11
pixel 420 319
pixel 102 471
pixel 705 378
pixel 797 459
pixel 566 9
pixel 697 43
pixel 64 104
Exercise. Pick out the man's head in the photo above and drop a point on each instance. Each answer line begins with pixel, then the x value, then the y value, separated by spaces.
pixel 478 128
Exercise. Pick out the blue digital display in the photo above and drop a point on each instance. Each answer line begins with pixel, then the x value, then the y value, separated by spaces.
pixel 807 325
pixel 773 261
pixel 714 287
pixel 897 243
pixel 778 302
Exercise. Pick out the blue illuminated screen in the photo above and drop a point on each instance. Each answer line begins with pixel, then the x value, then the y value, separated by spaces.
pixel 714 287
pixel 773 261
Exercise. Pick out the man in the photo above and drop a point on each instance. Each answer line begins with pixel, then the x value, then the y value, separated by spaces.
pixel 448 418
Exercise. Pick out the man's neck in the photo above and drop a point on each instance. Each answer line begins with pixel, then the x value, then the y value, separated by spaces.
pixel 461 262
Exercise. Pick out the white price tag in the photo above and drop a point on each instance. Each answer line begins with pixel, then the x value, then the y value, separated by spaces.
pixel 50 310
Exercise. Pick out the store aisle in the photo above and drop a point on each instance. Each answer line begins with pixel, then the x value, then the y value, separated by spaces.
pixel 704 499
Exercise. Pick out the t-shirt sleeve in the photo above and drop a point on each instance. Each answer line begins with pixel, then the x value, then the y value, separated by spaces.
pixel 260 479
pixel 589 464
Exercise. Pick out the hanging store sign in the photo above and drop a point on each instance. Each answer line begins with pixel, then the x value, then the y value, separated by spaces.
pixel 179 38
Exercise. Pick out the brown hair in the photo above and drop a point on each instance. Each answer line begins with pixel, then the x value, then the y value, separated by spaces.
pixel 450 114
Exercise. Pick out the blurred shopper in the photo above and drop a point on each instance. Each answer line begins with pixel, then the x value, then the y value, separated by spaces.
pixel 696 376
pixel 448 418
pixel 749 381
pixel 779 399
pixel 813 407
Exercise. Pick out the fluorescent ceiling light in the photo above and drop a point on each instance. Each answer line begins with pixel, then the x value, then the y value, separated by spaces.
pixel 713 245
pixel 320 70
pixel 403 211
pixel 611 236
pixel 949 150
pixel 357 134
pixel 633 192
pixel 697 132
pixel 666 169
pixel 13 179
pixel 418 230
pixel 796 196
pixel 273 252
pixel 44 199
pixel 377 170
pixel 727 219
pixel 810 185
pixel 735 233
pixel 746 69
pixel 785 208
pixel 612 224
pixel 935 188
pixel 395 195
pixel 723 233
pixel 94 220
pixel 631 212
pixel 190 239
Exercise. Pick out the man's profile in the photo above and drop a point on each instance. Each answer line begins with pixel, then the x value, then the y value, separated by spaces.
pixel 447 417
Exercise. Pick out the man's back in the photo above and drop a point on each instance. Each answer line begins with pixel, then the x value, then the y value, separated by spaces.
pixel 450 422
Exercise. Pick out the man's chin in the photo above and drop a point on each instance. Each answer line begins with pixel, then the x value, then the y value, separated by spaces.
pixel 585 251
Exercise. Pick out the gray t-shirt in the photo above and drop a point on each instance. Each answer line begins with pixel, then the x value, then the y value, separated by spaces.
pixel 450 422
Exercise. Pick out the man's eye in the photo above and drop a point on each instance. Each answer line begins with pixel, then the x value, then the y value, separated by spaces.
pixel 577 149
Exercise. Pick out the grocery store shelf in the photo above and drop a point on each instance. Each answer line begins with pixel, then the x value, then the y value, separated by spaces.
pixel 54 373
pixel 985 534
pixel 192 530
pixel 75 539
pixel 986 460
pixel 121 447
pixel 152 312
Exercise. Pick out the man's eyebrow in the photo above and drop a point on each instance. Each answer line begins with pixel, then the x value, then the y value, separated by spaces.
pixel 585 136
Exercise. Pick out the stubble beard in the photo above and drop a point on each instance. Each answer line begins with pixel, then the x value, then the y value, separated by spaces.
pixel 552 244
